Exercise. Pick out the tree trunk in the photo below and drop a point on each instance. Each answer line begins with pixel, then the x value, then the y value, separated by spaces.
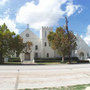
pixel 1 58
pixel 62 58
pixel 69 58
pixel 17 54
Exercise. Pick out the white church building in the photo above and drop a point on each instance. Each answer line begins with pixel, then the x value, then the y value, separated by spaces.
pixel 42 49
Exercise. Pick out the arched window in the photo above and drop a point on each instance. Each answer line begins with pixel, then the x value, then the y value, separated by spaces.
pixel 45 44
pixel 36 55
pixel 87 54
pixel 47 54
pixel 45 33
pixel 81 55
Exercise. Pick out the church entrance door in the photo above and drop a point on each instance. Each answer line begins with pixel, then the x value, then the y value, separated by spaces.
pixel 81 56
pixel 27 56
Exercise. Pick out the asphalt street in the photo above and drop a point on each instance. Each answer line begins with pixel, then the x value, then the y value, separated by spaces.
pixel 14 77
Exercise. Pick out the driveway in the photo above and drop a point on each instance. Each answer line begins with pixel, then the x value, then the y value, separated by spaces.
pixel 14 77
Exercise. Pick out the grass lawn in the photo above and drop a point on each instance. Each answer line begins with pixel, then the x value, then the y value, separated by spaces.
pixel 76 87
pixel 12 63
pixel 47 63
pixel 43 63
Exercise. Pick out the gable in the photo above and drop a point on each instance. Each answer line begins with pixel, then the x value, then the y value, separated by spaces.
pixel 81 44
pixel 28 35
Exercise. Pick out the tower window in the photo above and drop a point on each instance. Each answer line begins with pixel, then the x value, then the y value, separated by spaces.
pixel 36 55
pixel 45 33
pixel 47 54
pixel 36 47
pixel 45 44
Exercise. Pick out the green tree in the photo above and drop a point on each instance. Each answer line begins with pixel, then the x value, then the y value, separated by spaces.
pixel 5 38
pixel 17 45
pixel 10 43
pixel 59 42
pixel 28 46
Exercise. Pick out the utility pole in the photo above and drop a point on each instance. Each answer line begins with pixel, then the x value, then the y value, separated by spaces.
pixel 66 20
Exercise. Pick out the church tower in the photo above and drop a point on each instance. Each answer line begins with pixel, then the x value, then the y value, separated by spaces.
pixel 44 41
pixel 44 32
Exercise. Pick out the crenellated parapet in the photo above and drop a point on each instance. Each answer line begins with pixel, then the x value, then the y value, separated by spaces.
pixel 45 31
pixel 47 28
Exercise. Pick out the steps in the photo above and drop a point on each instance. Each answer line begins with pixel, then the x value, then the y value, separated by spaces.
pixel 28 62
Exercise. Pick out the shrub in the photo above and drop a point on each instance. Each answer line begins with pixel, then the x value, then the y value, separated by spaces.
pixel 72 58
pixel 82 61
pixel 15 59
pixel 48 59
pixel 55 59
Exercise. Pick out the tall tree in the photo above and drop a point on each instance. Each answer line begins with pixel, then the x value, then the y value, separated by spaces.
pixel 69 47
pixel 10 43
pixel 59 41
pixel 5 38
pixel 17 45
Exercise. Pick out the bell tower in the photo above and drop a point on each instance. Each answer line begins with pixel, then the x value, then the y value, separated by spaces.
pixel 44 41
pixel 44 32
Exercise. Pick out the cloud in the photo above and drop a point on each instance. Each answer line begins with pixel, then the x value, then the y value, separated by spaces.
pixel 45 13
pixel 80 10
pixel 7 12
pixel 87 38
pixel 10 24
pixel 2 2
pixel 71 8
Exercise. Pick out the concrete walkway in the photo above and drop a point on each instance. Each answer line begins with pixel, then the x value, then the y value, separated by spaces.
pixel 39 76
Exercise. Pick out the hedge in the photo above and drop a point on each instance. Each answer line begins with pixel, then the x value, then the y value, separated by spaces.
pixel 47 59
pixel 83 61
pixel 72 58
pixel 15 59
pixel 55 59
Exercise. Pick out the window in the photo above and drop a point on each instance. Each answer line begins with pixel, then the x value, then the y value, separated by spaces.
pixel 47 54
pixel 36 55
pixel 45 44
pixel 27 35
pixel 87 54
pixel 49 44
pixel 36 47
pixel 45 33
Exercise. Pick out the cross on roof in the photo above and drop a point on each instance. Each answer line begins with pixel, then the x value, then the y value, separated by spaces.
pixel 27 26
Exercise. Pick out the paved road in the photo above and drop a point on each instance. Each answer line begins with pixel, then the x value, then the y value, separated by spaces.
pixel 39 76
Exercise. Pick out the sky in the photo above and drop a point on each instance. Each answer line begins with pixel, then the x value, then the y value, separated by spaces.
pixel 37 13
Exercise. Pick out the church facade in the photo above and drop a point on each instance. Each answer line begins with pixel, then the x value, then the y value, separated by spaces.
pixel 42 49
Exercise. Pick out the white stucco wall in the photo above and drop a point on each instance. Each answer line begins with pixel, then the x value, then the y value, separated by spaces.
pixel 35 41
pixel 43 37
pixel 82 47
